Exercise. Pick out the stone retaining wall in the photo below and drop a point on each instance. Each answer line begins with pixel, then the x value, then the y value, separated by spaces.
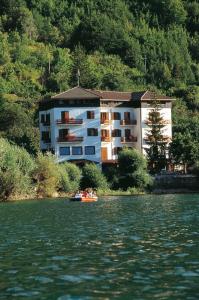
pixel 178 183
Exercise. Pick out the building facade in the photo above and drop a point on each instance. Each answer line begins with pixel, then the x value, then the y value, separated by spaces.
pixel 90 125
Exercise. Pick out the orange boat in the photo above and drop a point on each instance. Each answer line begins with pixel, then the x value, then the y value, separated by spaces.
pixel 85 199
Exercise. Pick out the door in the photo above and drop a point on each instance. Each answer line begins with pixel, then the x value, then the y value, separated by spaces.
pixel 127 133
pixel 64 115
pixel 104 117
pixel 104 153
pixel 127 116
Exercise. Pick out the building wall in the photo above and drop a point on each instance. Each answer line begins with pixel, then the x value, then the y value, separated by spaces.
pixel 77 130
pixel 115 124
pixel 139 130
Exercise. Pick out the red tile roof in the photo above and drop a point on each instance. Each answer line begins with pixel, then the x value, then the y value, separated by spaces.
pixel 81 93
pixel 112 95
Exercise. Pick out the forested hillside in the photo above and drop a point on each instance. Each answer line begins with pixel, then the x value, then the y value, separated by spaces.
pixel 116 44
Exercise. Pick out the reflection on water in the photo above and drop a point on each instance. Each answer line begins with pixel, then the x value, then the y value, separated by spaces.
pixel 125 248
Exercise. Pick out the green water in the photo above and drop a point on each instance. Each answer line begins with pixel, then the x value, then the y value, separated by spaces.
pixel 144 247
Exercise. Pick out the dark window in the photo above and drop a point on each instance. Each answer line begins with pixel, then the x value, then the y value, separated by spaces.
pixel 127 116
pixel 104 116
pixel 64 115
pixel 116 116
pixel 42 118
pixel 45 136
pixel 127 133
pixel 48 119
pixel 116 133
pixel 116 150
pixel 91 114
pixel 76 150
pixel 105 133
pixel 64 151
pixel 63 133
pixel 90 150
pixel 92 131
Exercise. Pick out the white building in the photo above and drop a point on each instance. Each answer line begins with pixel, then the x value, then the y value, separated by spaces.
pixel 90 125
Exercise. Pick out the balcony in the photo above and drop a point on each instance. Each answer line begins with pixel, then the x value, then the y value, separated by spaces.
pixel 106 139
pixel 105 122
pixel 129 139
pixel 70 121
pixel 128 122
pixel 70 139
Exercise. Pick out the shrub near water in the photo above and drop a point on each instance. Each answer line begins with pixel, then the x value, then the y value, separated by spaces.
pixel 16 166
pixel 92 177
pixel 46 175
pixel 133 170
pixel 70 176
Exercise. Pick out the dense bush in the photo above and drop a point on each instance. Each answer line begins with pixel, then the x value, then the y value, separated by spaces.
pixel 16 167
pixel 92 177
pixel 132 171
pixel 70 176
pixel 46 175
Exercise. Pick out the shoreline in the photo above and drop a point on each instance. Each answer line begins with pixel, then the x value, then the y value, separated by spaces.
pixel 105 194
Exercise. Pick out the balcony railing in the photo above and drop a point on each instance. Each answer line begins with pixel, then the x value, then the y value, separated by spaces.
pixel 105 121
pixel 70 139
pixel 70 121
pixel 105 138
pixel 128 122
pixel 129 139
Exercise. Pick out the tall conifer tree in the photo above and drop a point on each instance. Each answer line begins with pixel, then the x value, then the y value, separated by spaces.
pixel 156 140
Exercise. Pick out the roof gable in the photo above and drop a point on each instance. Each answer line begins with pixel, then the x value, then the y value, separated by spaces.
pixel 150 96
pixel 76 93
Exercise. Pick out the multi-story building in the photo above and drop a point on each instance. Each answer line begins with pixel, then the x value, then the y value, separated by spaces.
pixel 91 125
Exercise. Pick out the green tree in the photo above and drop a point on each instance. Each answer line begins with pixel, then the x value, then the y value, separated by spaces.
pixel 156 140
pixel 17 125
pixel 132 169
pixel 92 177
pixel 70 177
pixel 16 166
pixel 46 175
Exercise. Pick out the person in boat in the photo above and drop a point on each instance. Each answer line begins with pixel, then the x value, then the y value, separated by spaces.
pixel 78 194
pixel 85 194
pixel 90 193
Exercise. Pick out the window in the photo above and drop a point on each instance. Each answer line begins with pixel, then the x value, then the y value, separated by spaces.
pixel 45 119
pixel 127 116
pixel 116 116
pixel 90 150
pixel 104 116
pixel 105 133
pixel 77 151
pixel 92 132
pixel 116 150
pixel 63 133
pixel 42 118
pixel 64 115
pixel 116 133
pixel 64 151
pixel 48 119
pixel 127 133
pixel 91 114
pixel 45 136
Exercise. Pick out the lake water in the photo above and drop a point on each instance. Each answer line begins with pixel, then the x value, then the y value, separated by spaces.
pixel 144 247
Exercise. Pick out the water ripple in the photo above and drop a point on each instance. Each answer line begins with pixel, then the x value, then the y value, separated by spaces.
pixel 120 248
